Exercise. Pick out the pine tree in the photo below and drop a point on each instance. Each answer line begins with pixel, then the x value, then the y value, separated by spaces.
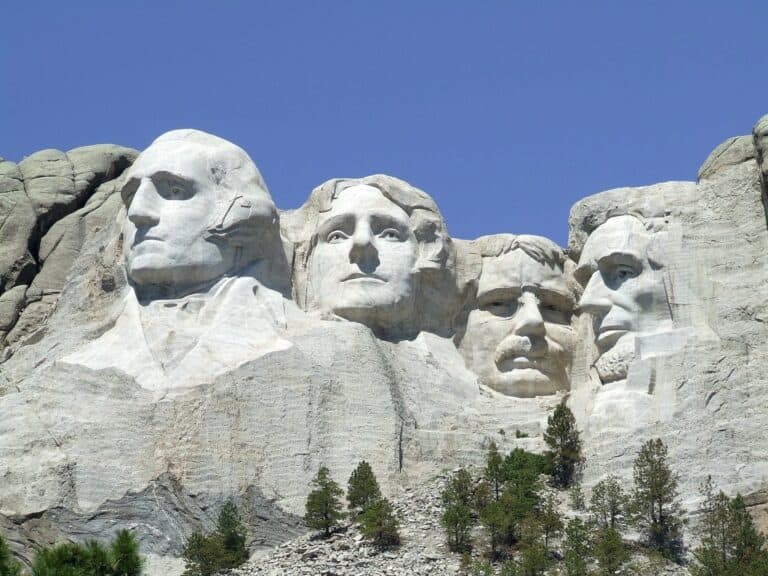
pixel 8 566
pixel 577 550
pixel 230 528
pixel 124 552
pixel 607 502
pixel 610 551
pixel 730 543
pixel 655 508
pixel 323 508
pixel 457 511
pixel 564 442
pixel 550 521
pixel 494 470
pixel 379 524
pixel 534 558
pixel 362 487
pixel 496 520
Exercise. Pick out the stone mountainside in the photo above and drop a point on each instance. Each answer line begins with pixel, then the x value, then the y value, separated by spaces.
pixel 155 362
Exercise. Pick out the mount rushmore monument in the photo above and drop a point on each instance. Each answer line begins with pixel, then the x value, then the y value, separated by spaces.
pixel 170 338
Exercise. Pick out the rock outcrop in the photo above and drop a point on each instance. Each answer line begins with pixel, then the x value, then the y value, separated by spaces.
pixel 171 339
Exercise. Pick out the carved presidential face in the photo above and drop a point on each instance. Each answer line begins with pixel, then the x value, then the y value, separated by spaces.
pixel 362 266
pixel 518 338
pixel 623 291
pixel 171 201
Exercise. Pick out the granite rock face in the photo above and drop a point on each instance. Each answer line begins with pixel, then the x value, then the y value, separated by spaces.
pixel 171 339
pixel 49 203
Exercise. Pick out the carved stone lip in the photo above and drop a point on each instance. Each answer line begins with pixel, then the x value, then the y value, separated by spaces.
pixel 362 276
pixel 521 363
pixel 608 336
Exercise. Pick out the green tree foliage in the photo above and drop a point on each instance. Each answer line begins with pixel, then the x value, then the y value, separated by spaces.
pixel 564 443
pixel 457 512
pixel 8 566
pixel 610 552
pixel 121 558
pixel 206 554
pixel 534 559
pixel 521 487
pixel 124 550
pixel 323 507
pixel 607 503
pixel 496 520
pixel 379 524
pixel 362 487
pixel 550 521
pixel 494 470
pixel 655 508
pixel 577 497
pixel 730 543
pixel 577 550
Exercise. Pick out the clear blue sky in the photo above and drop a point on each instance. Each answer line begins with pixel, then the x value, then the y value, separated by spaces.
pixel 506 112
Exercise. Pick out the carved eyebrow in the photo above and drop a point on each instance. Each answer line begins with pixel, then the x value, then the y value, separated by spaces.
pixel 562 299
pixel 379 222
pixel 344 222
pixel 615 258
pixel 498 293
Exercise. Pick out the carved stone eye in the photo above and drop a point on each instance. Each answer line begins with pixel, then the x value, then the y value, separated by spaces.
pixel 336 236
pixel 390 234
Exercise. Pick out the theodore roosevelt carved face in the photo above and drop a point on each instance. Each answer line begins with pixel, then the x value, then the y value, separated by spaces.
pixel 624 291
pixel 518 337
pixel 197 209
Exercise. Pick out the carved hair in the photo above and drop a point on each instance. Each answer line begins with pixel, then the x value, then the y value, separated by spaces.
pixel 435 246
pixel 541 249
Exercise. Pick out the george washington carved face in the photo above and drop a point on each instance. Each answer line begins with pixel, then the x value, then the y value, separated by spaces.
pixel 192 199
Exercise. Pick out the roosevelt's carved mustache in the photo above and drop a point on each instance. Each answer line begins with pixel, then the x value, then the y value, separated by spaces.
pixel 514 346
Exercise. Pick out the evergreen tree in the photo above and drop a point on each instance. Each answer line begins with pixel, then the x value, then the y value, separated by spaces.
pixel 124 552
pixel 534 558
pixel 8 566
pixel 323 508
pixel 550 521
pixel 457 511
pixel 607 503
pixel 496 520
pixel 521 487
pixel 564 443
pixel 379 524
pixel 362 487
pixel 230 528
pixel 577 496
pixel 610 552
pixel 730 543
pixel 224 548
pixel 576 549
pixel 655 508
pixel 494 470
pixel 201 554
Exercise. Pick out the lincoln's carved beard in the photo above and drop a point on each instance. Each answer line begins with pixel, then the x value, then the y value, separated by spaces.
pixel 614 363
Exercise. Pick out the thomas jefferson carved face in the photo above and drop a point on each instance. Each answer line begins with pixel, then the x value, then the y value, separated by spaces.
pixel 518 338
pixel 623 291
pixel 362 266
